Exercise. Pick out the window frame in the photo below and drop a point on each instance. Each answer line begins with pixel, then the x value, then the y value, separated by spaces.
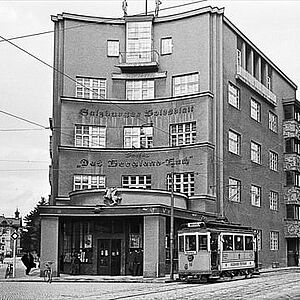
pixel 89 182
pixel 255 112
pixel 255 153
pixel 101 136
pixel 274 240
pixel 181 185
pixel 113 53
pixel 237 142
pixel 273 161
pixel 273 122
pixel 274 200
pixel 82 88
pixel 185 137
pixel 256 197
pixel 137 89
pixel 234 188
pixel 137 179
pixel 169 46
pixel 236 97
pixel 140 139
pixel 185 83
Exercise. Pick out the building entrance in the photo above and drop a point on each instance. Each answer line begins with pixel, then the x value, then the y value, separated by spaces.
pixel 109 257
pixel 293 252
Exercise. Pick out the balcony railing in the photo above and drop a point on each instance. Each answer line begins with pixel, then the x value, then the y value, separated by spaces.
pixel 291 129
pixel 292 228
pixel 291 195
pixel 140 59
pixel 291 162
pixel 256 85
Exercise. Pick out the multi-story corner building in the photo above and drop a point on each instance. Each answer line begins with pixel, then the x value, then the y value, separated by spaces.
pixel 142 103
pixel 8 232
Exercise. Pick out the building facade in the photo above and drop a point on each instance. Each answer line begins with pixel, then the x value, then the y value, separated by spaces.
pixel 8 227
pixel 144 103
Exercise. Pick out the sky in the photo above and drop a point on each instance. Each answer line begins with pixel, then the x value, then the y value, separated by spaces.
pixel 26 84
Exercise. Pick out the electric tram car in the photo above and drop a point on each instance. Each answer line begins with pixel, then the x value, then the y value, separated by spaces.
pixel 213 250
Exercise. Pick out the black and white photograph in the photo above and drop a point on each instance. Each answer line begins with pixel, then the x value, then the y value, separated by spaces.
pixel 150 149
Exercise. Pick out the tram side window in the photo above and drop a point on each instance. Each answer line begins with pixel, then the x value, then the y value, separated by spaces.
pixel 190 243
pixel 227 242
pixel 238 242
pixel 248 243
pixel 181 244
pixel 202 242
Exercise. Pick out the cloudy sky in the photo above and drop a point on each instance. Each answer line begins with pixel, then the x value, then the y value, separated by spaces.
pixel 26 84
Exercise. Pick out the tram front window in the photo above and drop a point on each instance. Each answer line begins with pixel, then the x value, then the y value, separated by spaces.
pixel 190 243
pixel 202 242
pixel 181 245
pixel 248 243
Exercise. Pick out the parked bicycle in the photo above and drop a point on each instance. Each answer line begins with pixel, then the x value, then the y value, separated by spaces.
pixel 48 272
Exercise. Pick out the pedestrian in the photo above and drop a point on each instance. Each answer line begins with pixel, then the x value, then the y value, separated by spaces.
pixel 75 264
pixel 28 262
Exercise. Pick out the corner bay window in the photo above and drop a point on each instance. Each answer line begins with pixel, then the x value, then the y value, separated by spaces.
pixel 183 133
pixel 293 212
pixel 90 88
pixel 136 181
pixel 292 178
pixel 139 89
pixel 138 137
pixel 185 84
pixel 90 136
pixel 182 183
pixel 84 182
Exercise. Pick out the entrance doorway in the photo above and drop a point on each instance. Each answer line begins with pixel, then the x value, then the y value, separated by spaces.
pixel 109 257
pixel 293 252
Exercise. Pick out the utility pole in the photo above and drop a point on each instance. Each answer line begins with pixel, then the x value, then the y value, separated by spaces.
pixel 172 227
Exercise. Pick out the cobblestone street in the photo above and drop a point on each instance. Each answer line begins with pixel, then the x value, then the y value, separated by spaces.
pixel 275 285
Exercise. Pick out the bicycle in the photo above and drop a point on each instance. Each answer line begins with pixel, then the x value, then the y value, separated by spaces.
pixel 9 271
pixel 47 274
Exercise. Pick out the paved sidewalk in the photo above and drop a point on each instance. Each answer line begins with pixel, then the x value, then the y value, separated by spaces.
pixel 35 277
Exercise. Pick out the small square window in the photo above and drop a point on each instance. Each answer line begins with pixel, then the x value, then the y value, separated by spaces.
pixel 113 48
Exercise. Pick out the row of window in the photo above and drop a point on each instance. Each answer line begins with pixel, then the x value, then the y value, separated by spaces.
pixel 134 137
pixel 234 99
pixel 141 46
pixel 96 88
pixel 234 146
pixel 182 182
pixel 234 194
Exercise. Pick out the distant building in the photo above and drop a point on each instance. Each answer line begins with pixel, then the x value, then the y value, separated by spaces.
pixel 146 98
pixel 7 227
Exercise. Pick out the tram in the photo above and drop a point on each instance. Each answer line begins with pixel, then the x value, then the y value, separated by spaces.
pixel 213 250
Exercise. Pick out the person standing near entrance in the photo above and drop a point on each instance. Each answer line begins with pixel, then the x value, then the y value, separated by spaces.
pixel 28 262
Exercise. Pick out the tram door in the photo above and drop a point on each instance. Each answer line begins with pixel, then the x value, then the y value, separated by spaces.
pixel 109 257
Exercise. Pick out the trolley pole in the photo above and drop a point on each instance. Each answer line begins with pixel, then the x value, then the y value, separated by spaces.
pixel 172 227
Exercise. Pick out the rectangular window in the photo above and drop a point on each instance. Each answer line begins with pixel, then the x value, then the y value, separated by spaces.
pixel 139 89
pixel 238 57
pixel 255 195
pixel 183 134
pixel 273 197
pixel 273 161
pixel 90 136
pixel 273 122
pixel 248 242
pixel 182 183
pixel 234 142
pixel 113 48
pixel 84 182
pixel 238 242
pixel 136 181
pixel 139 42
pixel 255 110
pixel 202 242
pixel 274 240
pixel 90 88
pixel 234 190
pixel 190 243
pixel 233 95
pixel 185 84
pixel 227 242
pixel 255 152
pixel 138 137
pixel 166 46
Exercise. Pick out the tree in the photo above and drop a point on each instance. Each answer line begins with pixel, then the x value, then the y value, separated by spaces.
pixel 31 233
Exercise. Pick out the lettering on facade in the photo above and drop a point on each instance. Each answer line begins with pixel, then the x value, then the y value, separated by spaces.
pixel 85 112
pixel 139 163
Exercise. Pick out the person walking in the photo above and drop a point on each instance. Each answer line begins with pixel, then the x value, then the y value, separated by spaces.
pixel 28 262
